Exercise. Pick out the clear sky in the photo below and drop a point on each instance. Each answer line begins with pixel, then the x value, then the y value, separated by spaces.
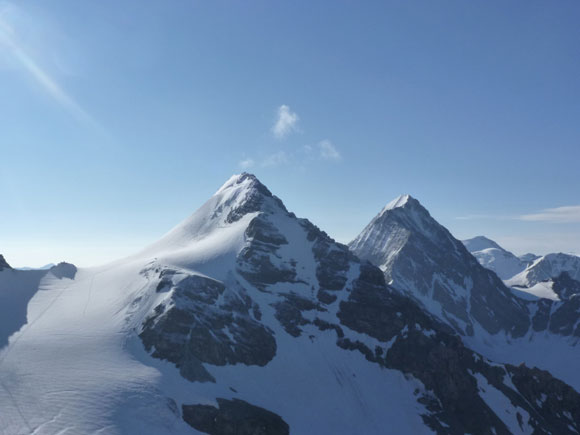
pixel 120 118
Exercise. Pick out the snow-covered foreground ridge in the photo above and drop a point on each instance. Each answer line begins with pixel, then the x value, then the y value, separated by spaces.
pixel 245 319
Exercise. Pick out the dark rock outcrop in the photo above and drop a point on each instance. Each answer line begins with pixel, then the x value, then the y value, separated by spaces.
pixel 421 346
pixel 3 263
pixel 557 404
pixel 332 261
pixel 64 270
pixel 559 317
pixel 234 417
pixel 191 328
pixel 256 194
pixel 255 264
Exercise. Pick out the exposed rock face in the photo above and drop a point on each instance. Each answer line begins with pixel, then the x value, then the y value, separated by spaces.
pixel 456 379
pixel 255 263
pixel 255 199
pixel 64 270
pixel 557 405
pixel 289 312
pixel 333 259
pixel 422 259
pixel 191 327
pixel 559 317
pixel 234 417
pixel 380 311
pixel 566 287
pixel 3 263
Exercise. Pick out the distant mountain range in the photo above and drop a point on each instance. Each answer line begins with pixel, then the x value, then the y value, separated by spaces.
pixel 529 273
pixel 494 257
pixel 245 319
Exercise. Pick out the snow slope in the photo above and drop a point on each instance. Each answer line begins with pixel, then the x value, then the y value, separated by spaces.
pixel 493 257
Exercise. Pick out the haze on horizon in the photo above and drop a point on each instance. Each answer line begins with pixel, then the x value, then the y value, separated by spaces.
pixel 120 120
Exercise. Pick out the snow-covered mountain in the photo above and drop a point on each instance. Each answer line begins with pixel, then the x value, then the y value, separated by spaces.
pixel 526 271
pixel 245 319
pixel 529 273
pixel 421 259
pixel 547 268
pixel 492 256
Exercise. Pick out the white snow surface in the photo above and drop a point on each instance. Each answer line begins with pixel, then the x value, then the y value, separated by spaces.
pixel 73 363
pixel 502 406
pixel 534 278
pixel 479 243
pixel 546 268
pixel 399 201
pixel 493 257
pixel 540 290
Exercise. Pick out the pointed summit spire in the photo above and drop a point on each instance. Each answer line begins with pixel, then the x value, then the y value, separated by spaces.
pixel 399 201
pixel 246 180
pixel 240 198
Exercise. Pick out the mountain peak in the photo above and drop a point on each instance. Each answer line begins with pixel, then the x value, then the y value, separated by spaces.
pixel 421 258
pixel 3 263
pixel 479 243
pixel 238 200
pixel 245 181
pixel 400 201
pixel 492 256
pixel 244 193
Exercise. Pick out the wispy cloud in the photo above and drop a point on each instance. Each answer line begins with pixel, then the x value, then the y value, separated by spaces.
pixel 246 163
pixel 566 214
pixel 286 122
pixel 323 150
pixel 483 217
pixel 328 151
pixel 9 42
pixel 275 159
pixel 541 244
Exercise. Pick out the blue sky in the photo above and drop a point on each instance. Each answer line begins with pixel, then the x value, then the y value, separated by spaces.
pixel 119 119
